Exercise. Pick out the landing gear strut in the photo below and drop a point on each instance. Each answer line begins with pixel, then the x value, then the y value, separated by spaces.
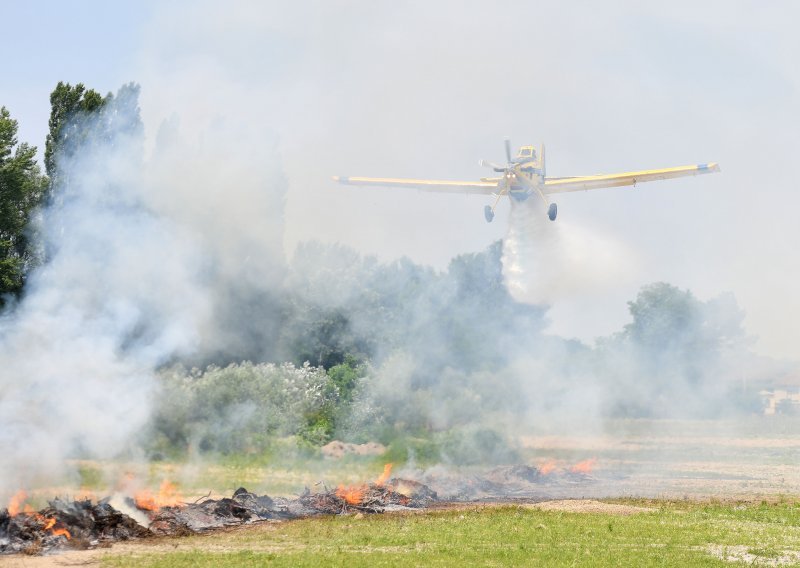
pixel 552 211
pixel 488 213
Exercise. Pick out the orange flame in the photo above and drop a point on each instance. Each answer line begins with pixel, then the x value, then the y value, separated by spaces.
pixel 547 467
pixel 16 502
pixel 387 472
pixel 354 494
pixel 62 532
pixel 18 506
pixel 584 466
pixel 48 523
pixel 168 496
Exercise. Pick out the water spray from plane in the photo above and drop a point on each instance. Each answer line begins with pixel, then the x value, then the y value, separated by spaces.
pixel 545 263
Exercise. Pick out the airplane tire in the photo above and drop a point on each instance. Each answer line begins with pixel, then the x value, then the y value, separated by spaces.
pixel 488 213
pixel 552 211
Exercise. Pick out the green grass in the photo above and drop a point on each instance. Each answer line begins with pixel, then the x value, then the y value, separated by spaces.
pixel 220 474
pixel 674 533
pixel 91 476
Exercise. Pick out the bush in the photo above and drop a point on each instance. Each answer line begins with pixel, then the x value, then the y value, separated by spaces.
pixel 242 408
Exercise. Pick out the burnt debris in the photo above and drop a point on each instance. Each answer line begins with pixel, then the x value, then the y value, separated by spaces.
pixel 83 524
pixel 66 524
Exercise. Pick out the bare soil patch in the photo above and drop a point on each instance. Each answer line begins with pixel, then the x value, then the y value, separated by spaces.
pixel 744 555
pixel 588 506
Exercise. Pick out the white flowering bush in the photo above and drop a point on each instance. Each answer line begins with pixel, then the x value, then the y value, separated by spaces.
pixel 241 408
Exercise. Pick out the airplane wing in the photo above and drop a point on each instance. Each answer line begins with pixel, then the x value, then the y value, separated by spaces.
pixel 469 187
pixel 563 185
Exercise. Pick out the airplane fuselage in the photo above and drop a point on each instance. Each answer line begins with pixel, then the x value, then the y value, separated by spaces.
pixel 525 179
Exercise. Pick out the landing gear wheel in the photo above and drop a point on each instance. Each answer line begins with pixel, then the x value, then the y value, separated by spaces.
pixel 488 213
pixel 552 211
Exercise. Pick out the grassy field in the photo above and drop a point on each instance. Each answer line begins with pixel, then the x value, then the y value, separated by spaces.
pixel 569 533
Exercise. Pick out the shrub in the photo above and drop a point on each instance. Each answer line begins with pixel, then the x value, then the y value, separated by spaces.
pixel 243 407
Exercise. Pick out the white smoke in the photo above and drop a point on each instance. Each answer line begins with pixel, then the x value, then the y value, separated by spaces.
pixel 139 253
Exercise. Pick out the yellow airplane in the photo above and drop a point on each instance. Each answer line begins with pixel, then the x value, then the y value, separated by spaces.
pixel 525 176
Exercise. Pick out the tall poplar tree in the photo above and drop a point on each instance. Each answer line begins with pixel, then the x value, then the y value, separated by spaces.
pixel 22 189
pixel 69 107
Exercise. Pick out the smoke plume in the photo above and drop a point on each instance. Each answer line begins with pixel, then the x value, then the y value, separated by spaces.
pixel 141 262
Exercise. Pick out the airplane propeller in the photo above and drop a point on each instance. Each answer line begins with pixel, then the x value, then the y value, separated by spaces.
pixel 495 167
pixel 505 184
pixel 498 168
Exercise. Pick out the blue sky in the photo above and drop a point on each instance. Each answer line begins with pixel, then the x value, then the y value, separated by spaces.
pixel 78 41
pixel 426 89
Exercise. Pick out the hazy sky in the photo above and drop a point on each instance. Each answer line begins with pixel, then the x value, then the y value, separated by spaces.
pixel 426 89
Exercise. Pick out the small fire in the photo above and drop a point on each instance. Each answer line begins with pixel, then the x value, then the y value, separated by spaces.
pixel 547 467
pixel 49 523
pixel 387 472
pixel 584 466
pixel 168 496
pixel 17 506
pixel 354 494
pixel 62 532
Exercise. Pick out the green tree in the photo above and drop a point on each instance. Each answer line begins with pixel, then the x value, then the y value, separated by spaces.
pixel 675 357
pixel 22 189
pixel 672 329
pixel 346 376
pixel 69 107
pixel 341 302
pixel 664 318
pixel 484 327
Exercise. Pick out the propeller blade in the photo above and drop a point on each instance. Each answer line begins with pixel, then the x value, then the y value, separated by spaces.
pixel 508 150
pixel 541 160
pixel 492 165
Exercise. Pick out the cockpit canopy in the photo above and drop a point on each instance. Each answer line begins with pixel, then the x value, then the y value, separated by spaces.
pixel 526 153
